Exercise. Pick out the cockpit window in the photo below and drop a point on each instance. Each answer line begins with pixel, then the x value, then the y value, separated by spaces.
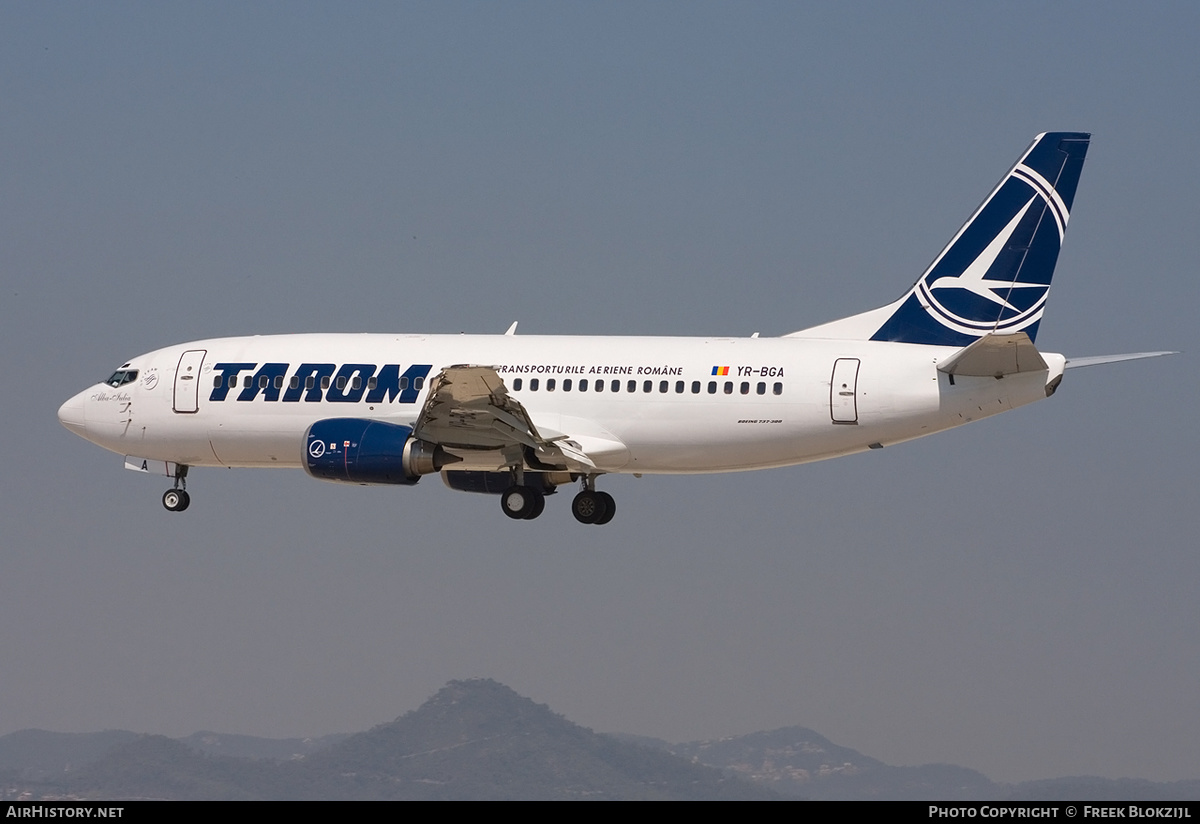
pixel 122 377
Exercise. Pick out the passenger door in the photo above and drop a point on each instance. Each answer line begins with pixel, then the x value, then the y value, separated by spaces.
pixel 187 381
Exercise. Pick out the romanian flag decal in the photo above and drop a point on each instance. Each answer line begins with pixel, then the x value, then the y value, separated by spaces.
pixel 720 370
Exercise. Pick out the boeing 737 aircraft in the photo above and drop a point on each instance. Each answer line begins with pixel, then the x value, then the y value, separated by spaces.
pixel 520 416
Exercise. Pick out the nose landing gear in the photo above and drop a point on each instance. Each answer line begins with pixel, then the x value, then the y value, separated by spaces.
pixel 176 499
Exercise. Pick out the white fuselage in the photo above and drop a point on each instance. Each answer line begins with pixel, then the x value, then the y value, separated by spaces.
pixel 680 405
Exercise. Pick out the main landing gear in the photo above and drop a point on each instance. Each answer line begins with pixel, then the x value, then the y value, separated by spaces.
pixel 524 503
pixel 176 499
pixel 592 507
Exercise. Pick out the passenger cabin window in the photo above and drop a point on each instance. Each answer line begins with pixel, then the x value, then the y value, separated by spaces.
pixel 372 383
pixel 550 384
pixel 678 387
pixel 248 381
pixel 566 384
pixel 777 389
pixel 356 383
pixel 695 387
pixel 341 382
pixel 217 381
pixel 516 384
pixel 728 387
pixel 712 387
pixel 419 383
pixel 761 388
pixel 279 381
pixel 583 384
pixel 310 382
pixel 325 382
pixel 294 383
pixel 745 387
pixel 533 384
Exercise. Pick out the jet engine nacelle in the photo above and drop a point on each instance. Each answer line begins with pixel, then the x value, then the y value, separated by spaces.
pixel 359 451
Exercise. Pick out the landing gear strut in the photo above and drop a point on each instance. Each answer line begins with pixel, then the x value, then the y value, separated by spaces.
pixel 176 499
pixel 591 506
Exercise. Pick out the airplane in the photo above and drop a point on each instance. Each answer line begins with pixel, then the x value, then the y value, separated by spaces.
pixel 518 416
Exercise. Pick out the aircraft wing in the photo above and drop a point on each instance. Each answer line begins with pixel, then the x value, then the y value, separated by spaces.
pixel 469 407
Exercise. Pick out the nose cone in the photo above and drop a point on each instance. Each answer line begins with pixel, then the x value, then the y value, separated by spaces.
pixel 71 414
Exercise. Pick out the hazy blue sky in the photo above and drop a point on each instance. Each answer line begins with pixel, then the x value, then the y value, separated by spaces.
pixel 1018 596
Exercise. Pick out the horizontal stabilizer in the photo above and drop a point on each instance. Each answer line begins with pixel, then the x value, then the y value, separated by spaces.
pixel 994 356
pixel 1096 360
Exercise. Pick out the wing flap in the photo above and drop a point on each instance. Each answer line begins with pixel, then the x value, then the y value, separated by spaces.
pixel 470 408
pixel 574 456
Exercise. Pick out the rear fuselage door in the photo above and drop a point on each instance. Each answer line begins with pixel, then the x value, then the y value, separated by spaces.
pixel 187 380
pixel 843 391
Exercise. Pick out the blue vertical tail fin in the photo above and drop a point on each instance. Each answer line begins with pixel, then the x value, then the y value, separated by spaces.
pixel 994 275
